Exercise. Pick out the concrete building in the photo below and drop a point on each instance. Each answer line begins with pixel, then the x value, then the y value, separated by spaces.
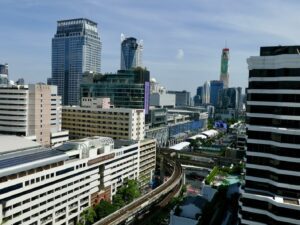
pixel 103 103
pixel 131 53
pixel 163 99
pixel 147 161
pixel 117 123
pixel 126 88
pixel 76 48
pixel 183 98
pixel 272 180
pixel 54 186
pixel 159 96
pixel 224 75
pixel 33 111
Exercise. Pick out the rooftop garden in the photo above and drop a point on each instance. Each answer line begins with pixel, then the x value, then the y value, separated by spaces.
pixel 224 175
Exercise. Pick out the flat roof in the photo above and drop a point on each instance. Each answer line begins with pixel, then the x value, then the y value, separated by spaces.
pixel 180 145
pixel 119 143
pixel 10 143
pixel 28 159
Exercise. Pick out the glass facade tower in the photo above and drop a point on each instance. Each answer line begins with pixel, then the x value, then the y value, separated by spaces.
pixel 131 53
pixel 126 88
pixel 76 48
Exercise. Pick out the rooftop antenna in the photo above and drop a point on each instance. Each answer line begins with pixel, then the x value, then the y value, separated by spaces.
pixel 225 43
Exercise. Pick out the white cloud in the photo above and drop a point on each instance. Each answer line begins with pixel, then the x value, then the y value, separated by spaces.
pixel 180 54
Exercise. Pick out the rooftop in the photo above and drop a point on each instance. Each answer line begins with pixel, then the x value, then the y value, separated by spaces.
pixel 124 143
pixel 19 161
pixel 10 143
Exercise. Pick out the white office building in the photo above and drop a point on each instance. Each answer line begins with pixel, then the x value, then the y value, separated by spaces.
pixel 53 186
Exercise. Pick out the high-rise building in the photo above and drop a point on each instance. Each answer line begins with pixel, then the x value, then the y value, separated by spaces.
pixel 215 87
pixel 76 48
pixel 206 93
pixel 182 98
pixel 272 182
pixel 33 111
pixel 126 88
pixel 117 123
pixel 4 69
pixel 198 98
pixel 224 75
pixel 230 98
pixel 131 53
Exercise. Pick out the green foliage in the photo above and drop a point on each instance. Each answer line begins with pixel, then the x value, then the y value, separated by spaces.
pixel 212 174
pixel 103 209
pixel 88 216
pixel 210 124
pixel 118 201
pixel 127 192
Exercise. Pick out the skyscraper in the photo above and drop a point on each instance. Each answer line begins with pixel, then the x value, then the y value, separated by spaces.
pixel 215 87
pixel 76 48
pixel 224 75
pixel 230 98
pixel 198 97
pixel 206 93
pixel 271 193
pixel 131 53
pixel 4 69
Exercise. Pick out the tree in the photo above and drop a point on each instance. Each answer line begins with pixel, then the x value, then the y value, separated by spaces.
pixel 88 216
pixel 104 208
pixel 127 193
pixel 118 201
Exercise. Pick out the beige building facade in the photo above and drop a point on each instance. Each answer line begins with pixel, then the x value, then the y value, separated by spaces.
pixel 117 123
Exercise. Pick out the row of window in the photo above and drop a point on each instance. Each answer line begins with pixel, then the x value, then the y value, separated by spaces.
pixel 30 172
pixel 274 85
pixel 278 110
pixel 280 178
pixel 269 136
pixel 274 97
pixel 278 211
pixel 17 205
pixel 273 122
pixel 270 149
pixel 271 189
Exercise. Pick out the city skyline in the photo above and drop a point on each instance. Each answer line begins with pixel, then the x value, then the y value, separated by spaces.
pixel 188 45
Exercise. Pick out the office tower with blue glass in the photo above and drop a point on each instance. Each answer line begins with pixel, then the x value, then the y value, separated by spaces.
pixel 76 48
pixel 131 53
pixel 215 87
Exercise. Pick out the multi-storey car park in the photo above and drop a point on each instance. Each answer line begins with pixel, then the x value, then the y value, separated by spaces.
pixel 53 186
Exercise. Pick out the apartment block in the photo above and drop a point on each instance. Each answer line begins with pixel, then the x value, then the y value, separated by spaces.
pixel 117 123
pixel 33 111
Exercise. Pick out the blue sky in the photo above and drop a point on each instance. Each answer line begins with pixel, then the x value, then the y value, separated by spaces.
pixel 182 39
